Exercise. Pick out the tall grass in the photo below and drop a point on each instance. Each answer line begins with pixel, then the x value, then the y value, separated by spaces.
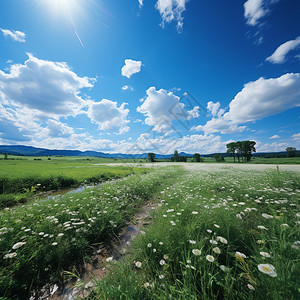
pixel 211 238
pixel 40 240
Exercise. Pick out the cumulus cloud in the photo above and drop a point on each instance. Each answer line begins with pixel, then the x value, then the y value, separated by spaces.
pixel 108 116
pixel 279 56
pixel 171 10
pixel 266 97
pixel 58 129
pixel 45 86
pixel 274 137
pixel 141 3
pixel 257 100
pixel 131 67
pixel 162 107
pixel 15 35
pixel 189 143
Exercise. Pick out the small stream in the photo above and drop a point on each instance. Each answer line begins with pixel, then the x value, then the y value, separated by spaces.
pixel 98 266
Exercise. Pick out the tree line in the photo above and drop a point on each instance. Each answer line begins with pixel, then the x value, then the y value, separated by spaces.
pixel 241 149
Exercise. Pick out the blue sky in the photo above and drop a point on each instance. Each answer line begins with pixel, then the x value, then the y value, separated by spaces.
pixel 138 76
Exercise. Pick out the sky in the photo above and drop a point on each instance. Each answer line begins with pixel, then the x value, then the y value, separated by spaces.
pixel 136 76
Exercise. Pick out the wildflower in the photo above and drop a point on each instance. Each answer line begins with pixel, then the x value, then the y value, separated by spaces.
pixel 296 245
pixel 161 276
pixel 196 252
pixel 41 233
pixel 160 243
pixel 60 234
pixel 267 269
pixel 260 241
pixel 54 244
pixel 138 264
pixel 213 242
pixel 166 257
pixel 194 213
pixel 173 223
pixel 262 227
pixel 189 261
pixel 192 242
pixel 146 284
pixel 162 262
pixel 285 225
pixel 265 254
pixel 224 269
pixel 154 250
pixel 251 287
pixel 18 245
pixel 10 255
pixel 109 259
pixel 210 258
pixel 222 240
pixel 216 225
pixel 240 255
pixel 217 250
pixel 266 216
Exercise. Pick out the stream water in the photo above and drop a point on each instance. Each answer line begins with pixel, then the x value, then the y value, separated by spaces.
pixel 99 265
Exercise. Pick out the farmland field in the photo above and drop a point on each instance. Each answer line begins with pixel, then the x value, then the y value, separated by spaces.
pixel 218 232
pixel 19 177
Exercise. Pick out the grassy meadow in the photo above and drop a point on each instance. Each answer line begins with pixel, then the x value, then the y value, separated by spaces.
pixel 217 235
pixel 20 178
pixel 42 239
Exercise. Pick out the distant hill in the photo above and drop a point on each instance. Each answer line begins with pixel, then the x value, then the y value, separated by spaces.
pixel 32 151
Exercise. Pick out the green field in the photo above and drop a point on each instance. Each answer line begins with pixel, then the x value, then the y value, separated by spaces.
pixel 19 178
pixel 217 235
pixel 227 234
pixel 41 240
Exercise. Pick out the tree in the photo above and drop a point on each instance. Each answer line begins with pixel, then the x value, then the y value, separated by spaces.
pixel 176 156
pixel 197 157
pixel 242 149
pixel 248 148
pixel 151 157
pixel 291 151
pixel 5 155
pixel 231 148
pixel 218 157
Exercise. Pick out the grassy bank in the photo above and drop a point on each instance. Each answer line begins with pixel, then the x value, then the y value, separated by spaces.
pixel 38 241
pixel 20 178
pixel 232 235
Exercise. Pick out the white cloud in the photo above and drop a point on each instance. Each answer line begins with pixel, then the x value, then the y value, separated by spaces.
pixel 279 56
pixel 17 36
pixel 131 67
pixel 265 97
pixel 127 87
pixel 274 147
pixel 162 107
pixel 47 87
pixel 171 10
pixel 274 137
pixel 58 129
pixel 257 100
pixel 296 136
pixel 191 144
pixel 141 3
pixel 255 10
pixel 108 116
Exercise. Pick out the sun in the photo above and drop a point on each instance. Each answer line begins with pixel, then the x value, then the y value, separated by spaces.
pixel 61 7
